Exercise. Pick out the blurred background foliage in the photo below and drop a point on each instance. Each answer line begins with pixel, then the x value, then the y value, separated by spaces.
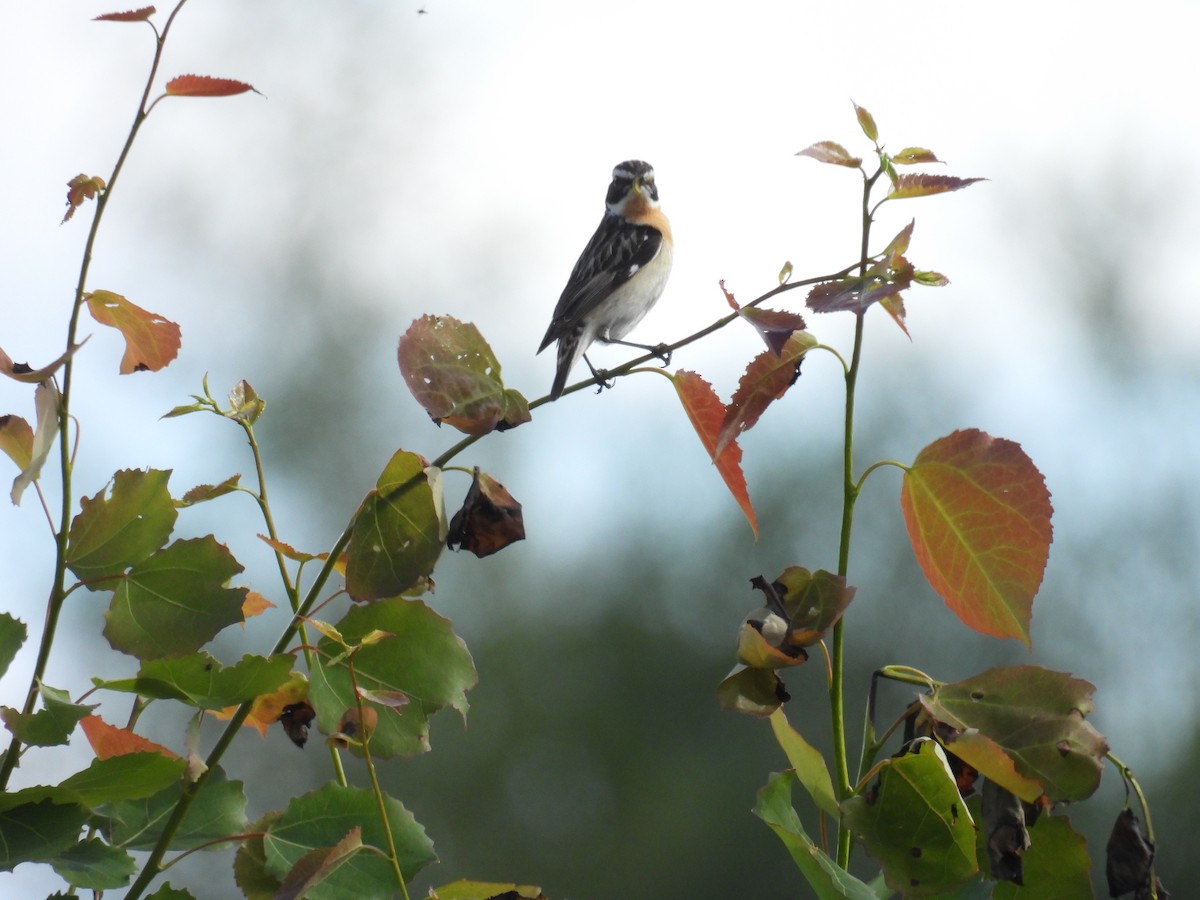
pixel 453 162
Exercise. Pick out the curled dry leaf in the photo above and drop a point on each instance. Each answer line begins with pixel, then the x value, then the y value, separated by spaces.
pixel 489 520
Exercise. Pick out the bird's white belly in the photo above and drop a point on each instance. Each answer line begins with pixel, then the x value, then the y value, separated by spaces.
pixel 628 305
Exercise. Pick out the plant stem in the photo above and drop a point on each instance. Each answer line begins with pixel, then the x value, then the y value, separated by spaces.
pixel 58 593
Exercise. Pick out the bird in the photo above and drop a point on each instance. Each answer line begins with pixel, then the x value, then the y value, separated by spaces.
pixel 619 276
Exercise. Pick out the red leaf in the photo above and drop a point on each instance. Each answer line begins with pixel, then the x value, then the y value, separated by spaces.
pixel 206 86
pixel 924 185
pixel 773 326
pixel 80 188
pixel 133 15
pixel 832 153
pixel 978 516
pixel 706 412
pixel 151 342
pixel 894 304
pixel 766 379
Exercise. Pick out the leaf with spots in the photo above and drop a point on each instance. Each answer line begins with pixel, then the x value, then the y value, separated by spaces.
pixel 455 376
pixel 978 516
pixel 1036 716
pixel 396 537
pixel 913 820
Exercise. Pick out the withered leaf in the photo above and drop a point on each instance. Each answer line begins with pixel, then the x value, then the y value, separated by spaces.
pixel 489 520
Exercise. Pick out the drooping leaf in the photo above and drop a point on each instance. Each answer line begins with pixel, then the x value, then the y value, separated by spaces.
pixel 255 604
pixel 455 376
pixel 807 763
pixel 1128 857
pixel 1055 865
pixel 707 413
pixel 856 293
pixel 812 602
pixel 421 657
pixel 80 188
pixel 978 517
pixel 95 865
pixel 108 740
pixel 832 153
pixel 1005 836
pixel 489 520
pixel 278 706
pixel 396 537
pixel 133 15
pixel 317 866
pixel 774 326
pixel 826 877
pixel 112 533
pixel 206 86
pixel 250 862
pixel 916 824
pixel 16 440
pixel 45 401
pixel 218 811
pixel 203 682
pixel 894 305
pixel 26 374
pixel 37 832
pixel 175 601
pixel 755 692
pixel 1036 716
pixel 151 342
pixel 765 380
pixel 50 726
pixel 323 818
pixel 867 123
pixel 762 642
pixel 12 635
pixel 925 185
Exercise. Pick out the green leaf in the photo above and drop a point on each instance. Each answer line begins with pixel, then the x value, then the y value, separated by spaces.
pixel 1036 716
pixel 217 812
pixel 464 889
pixel 756 692
pixel 916 823
pixel 455 376
pixel 12 635
pixel 50 726
pixel 318 866
pixel 807 762
pixel 166 892
pixel 112 533
pixel 978 516
pixel 203 682
pixel 244 403
pixel 250 862
pixel 36 832
pixel 324 817
pixel 1055 865
pixel 396 539
pixel 95 865
pixel 175 601
pixel 867 123
pixel 912 155
pixel 831 882
pixel 130 776
pixel 814 602
pixel 421 658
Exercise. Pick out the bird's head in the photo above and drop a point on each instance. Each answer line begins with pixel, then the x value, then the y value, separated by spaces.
pixel 632 181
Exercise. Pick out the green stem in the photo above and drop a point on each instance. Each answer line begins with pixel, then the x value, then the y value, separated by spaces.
pixel 57 590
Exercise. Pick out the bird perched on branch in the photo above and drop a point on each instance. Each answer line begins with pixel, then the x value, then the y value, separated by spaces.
pixel 619 276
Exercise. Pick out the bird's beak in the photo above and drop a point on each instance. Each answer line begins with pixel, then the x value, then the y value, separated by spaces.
pixel 637 185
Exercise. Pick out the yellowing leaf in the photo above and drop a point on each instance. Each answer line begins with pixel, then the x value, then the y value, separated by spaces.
pixel 707 413
pixel 978 516
pixel 266 709
pixel 16 440
pixel 27 374
pixel 151 342
pixel 206 86
pixel 867 123
pixel 255 604
pixel 45 399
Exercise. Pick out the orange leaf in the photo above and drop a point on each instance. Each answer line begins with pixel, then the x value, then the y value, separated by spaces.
pixel 151 342
pixel 81 188
pixel 832 153
pixel 266 709
pixel 206 86
pixel 255 604
pixel 133 15
pixel 766 380
pixel 108 740
pixel 707 412
pixel 978 515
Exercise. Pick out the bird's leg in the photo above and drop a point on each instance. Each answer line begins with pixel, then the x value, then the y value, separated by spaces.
pixel 601 376
pixel 659 350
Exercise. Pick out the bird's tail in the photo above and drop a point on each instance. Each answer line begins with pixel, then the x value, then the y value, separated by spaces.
pixel 570 348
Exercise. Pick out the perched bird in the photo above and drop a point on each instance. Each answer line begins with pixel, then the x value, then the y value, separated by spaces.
pixel 619 276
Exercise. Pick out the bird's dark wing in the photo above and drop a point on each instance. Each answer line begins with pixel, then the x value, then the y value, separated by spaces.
pixel 617 250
